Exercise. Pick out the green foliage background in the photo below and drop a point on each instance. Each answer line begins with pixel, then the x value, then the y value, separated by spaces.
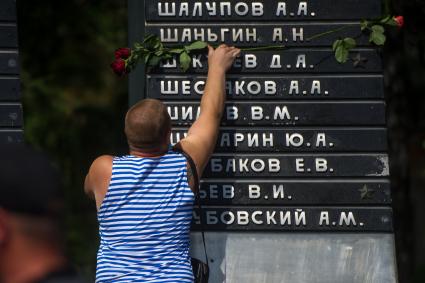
pixel 74 108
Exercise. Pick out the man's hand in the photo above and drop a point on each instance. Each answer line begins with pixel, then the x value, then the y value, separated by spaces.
pixel 202 136
pixel 221 59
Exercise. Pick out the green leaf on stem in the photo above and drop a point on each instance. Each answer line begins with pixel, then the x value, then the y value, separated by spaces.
pixel 392 22
pixel 140 51
pixel 185 61
pixel 336 44
pixel 176 50
pixel 196 45
pixel 153 43
pixel 364 24
pixel 138 46
pixel 378 38
pixel 384 20
pixel 147 57
pixel 341 54
pixel 342 48
pixel 378 28
pixel 167 56
pixel 377 35
pixel 154 61
pixel 148 38
pixel 159 52
pixel 130 64
pixel 389 20
pixel 158 45
pixel 349 43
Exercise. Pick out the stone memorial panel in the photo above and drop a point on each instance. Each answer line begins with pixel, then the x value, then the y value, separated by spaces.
pixel 286 113
pixel 259 10
pixel 323 87
pixel 302 147
pixel 293 192
pixel 297 165
pixel 8 10
pixel 9 89
pixel 341 219
pixel 284 34
pixel 8 36
pixel 10 115
pixel 296 139
pixel 9 63
pixel 11 120
pixel 11 136
pixel 319 60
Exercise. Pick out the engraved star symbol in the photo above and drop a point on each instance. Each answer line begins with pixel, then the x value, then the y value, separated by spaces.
pixel 366 193
pixel 13 116
pixel 359 61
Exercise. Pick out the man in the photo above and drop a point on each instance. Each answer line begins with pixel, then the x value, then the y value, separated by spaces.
pixel 30 243
pixel 145 199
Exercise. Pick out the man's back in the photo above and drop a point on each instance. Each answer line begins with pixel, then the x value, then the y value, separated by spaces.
pixel 144 221
pixel 125 213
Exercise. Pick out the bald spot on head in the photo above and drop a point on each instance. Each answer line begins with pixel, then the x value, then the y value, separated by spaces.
pixel 147 124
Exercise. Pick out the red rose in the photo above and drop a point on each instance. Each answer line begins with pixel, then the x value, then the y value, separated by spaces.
pixel 399 20
pixel 122 53
pixel 118 66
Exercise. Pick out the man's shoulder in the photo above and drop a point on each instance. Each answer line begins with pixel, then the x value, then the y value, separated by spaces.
pixel 103 160
pixel 102 165
pixel 99 174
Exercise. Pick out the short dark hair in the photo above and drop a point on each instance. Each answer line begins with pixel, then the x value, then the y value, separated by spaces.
pixel 147 123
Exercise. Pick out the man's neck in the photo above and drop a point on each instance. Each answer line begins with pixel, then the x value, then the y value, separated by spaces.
pixel 150 152
pixel 25 262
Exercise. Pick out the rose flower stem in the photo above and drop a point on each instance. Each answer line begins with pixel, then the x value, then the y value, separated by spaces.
pixel 326 33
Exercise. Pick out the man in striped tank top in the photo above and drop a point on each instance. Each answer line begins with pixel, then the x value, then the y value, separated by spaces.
pixel 145 199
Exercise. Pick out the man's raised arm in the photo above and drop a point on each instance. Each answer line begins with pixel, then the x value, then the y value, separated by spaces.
pixel 202 135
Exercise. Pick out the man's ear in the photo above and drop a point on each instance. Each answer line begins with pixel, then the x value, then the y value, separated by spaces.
pixel 3 226
pixel 168 137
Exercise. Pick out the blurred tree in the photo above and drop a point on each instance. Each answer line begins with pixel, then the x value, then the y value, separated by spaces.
pixel 404 57
pixel 73 103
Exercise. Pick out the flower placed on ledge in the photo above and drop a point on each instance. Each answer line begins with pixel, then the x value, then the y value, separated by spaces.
pixel 399 21
pixel 119 67
pixel 122 53
pixel 151 52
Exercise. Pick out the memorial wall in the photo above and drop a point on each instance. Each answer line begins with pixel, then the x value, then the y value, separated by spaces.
pixel 11 121
pixel 303 143
pixel 303 139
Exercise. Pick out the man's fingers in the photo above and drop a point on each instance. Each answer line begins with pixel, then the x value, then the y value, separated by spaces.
pixel 210 50
pixel 226 50
pixel 235 52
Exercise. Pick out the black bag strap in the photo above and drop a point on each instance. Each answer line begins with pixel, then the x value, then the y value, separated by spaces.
pixel 192 168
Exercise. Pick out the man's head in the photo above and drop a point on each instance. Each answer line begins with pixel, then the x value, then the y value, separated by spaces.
pixel 29 206
pixel 147 125
pixel 28 182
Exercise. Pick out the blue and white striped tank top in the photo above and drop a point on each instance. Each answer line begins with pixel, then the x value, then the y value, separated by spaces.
pixel 144 221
